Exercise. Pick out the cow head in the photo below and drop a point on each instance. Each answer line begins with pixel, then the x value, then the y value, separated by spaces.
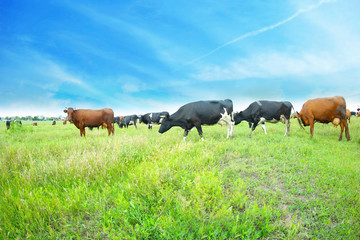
pixel 70 112
pixel 166 124
pixel 301 121
pixel 238 118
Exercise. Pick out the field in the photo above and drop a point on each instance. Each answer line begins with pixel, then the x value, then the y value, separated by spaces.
pixel 139 184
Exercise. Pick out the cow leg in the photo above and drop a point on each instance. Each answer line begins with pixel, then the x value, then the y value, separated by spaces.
pixel 311 122
pixel 342 129
pixel 230 127
pixel 263 126
pixel 347 134
pixel 253 129
pixel 198 127
pixel 185 134
pixel 287 122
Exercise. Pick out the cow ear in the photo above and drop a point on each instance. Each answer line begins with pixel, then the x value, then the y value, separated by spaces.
pixel 65 111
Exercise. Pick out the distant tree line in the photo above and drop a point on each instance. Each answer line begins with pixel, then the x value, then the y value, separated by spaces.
pixel 32 118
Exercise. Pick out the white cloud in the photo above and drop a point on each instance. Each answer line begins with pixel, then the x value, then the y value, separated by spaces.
pixel 273 64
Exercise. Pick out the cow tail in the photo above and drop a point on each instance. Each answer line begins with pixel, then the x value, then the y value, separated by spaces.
pixel 298 118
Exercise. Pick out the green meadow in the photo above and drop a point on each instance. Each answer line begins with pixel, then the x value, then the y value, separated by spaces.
pixel 139 184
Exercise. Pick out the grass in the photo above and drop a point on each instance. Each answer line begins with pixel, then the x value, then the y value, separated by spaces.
pixel 140 184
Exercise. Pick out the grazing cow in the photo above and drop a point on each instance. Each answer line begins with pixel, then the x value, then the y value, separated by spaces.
pixel 91 118
pixel 54 122
pixel 35 124
pixel 118 120
pixel 128 120
pixel 325 110
pixel 153 118
pixel 64 122
pixel 200 113
pixel 8 124
pixel 348 115
pixel 358 115
pixel 263 111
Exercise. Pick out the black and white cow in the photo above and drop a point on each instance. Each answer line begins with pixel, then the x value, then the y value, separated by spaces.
pixel 129 120
pixel 200 113
pixel 260 112
pixel 150 118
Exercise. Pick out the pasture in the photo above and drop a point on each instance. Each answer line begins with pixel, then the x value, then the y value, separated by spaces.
pixel 139 184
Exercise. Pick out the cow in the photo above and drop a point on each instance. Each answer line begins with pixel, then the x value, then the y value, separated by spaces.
pixel 263 111
pixel 150 118
pixel 54 122
pixel 199 113
pixel 35 124
pixel 358 115
pixel 64 122
pixel 8 124
pixel 353 113
pixel 128 120
pixel 118 120
pixel 91 118
pixel 325 110
pixel 348 115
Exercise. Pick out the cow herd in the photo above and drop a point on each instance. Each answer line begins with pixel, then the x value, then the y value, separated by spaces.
pixel 196 114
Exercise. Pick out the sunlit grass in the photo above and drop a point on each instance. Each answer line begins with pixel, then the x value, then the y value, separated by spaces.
pixel 142 184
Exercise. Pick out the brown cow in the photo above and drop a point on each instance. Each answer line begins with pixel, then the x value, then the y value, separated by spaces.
pixel 348 115
pixel 325 110
pixel 64 122
pixel 91 118
pixel 54 122
pixel 358 115
pixel 35 124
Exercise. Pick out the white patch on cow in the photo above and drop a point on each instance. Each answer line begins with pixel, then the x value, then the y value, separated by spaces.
pixel 259 103
pixel 150 116
pixel 226 120
pixel 263 126
pixel 131 123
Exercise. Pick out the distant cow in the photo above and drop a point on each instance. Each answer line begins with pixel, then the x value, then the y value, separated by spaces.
pixel 128 120
pixel 325 110
pixel 91 118
pixel 54 122
pixel 358 115
pixel 35 124
pixel 8 124
pixel 118 120
pixel 200 113
pixel 263 111
pixel 64 122
pixel 150 118
pixel 348 115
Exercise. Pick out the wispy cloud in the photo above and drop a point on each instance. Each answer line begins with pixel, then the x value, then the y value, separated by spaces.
pixel 262 30
pixel 274 64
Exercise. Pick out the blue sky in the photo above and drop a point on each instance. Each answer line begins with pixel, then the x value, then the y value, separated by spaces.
pixel 149 56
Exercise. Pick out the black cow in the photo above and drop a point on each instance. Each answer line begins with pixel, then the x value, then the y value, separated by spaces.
pixel 353 113
pixel 152 118
pixel 200 113
pixel 128 120
pixel 260 112
pixel 8 124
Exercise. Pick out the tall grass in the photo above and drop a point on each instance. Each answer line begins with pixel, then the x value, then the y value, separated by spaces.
pixel 141 184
